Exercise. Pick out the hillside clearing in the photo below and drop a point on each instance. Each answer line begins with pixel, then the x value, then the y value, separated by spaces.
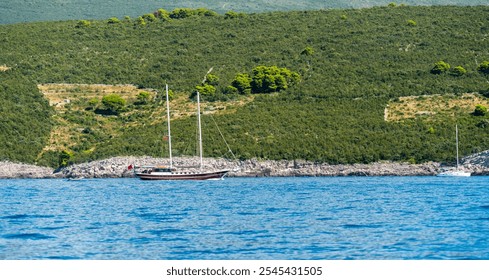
pixel 75 117
pixel 432 107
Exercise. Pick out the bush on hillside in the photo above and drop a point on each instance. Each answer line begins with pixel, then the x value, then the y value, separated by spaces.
pixel 480 110
pixel 484 67
pixel 113 103
pixel 440 67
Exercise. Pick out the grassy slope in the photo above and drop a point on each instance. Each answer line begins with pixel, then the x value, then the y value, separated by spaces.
pixel 13 11
pixel 362 59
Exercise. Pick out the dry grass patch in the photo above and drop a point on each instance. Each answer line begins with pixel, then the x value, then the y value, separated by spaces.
pixel 4 68
pixel 432 106
pixel 59 95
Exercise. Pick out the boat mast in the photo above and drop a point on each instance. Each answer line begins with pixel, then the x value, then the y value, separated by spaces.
pixel 200 129
pixel 198 119
pixel 168 121
pixel 456 140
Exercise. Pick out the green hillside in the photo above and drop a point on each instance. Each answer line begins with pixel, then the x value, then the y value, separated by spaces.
pixel 14 11
pixel 353 64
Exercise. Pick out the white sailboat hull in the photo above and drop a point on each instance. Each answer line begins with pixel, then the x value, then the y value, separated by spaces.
pixel 456 173
pixel 171 176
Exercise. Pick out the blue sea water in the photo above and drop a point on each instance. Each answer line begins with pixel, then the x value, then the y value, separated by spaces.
pixel 332 218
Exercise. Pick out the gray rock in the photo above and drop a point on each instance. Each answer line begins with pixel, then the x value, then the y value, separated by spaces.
pixel 117 167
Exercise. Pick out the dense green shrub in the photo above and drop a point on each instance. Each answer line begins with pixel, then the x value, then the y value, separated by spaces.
pixel 83 23
pixel 440 67
pixel 411 22
pixel 480 110
pixel 242 83
pixel 143 98
pixel 458 71
pixel 272 79
pixel 113 103
pixel 113 20
pixel 484 67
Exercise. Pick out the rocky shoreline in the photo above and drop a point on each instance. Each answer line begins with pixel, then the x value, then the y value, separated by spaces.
pixel 117 167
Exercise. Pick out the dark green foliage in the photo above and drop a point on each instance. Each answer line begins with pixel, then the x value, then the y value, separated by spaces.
pixel 65 158
pixel 480 110
pixel 458 71
pixel 334 114
pixel 242 83
pixel 232 14
pixel 25 118
pixel 113 20
pixel 83 23
pixel 143 98
pixel 149 17
pixel 163 14
pixel 113 103
pixel 181 13
pixel 484 67
pixel 308 51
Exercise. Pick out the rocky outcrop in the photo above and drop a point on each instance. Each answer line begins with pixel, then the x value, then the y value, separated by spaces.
pixel 477 163
pixel 307 168
pixel 20 170
pixel 117 167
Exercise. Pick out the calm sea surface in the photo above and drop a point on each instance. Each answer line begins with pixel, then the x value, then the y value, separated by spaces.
pixel 246 218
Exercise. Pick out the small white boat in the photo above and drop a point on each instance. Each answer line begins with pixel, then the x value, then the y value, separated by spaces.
pixel 457 172
pixel 454 173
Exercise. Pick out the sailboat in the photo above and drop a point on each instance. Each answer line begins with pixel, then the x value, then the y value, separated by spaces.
pixel 457 172
pixel 172 173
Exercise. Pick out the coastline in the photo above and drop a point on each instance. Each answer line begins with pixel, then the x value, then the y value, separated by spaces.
pixel 117 167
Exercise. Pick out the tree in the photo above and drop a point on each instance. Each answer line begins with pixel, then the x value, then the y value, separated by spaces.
pixel 140 21
pixel 484 67
pixel 205 12
pixel 143 98
pixel 180 13
pixel 212 79
pixel 163 14
pixel 206 90
pixel 242 82
pixel 113 20
pixel 65 158
pixel 440 67
pixel 149 17
pixel 114 103
pixel 230 90
pixel 480 110
pixel 458 71
pixel 411 22
pixel 231 14
pixel 83 23
pixel 268 79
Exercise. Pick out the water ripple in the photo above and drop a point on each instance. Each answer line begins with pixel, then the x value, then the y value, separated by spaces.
pixel 28 236
pixel 246 218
